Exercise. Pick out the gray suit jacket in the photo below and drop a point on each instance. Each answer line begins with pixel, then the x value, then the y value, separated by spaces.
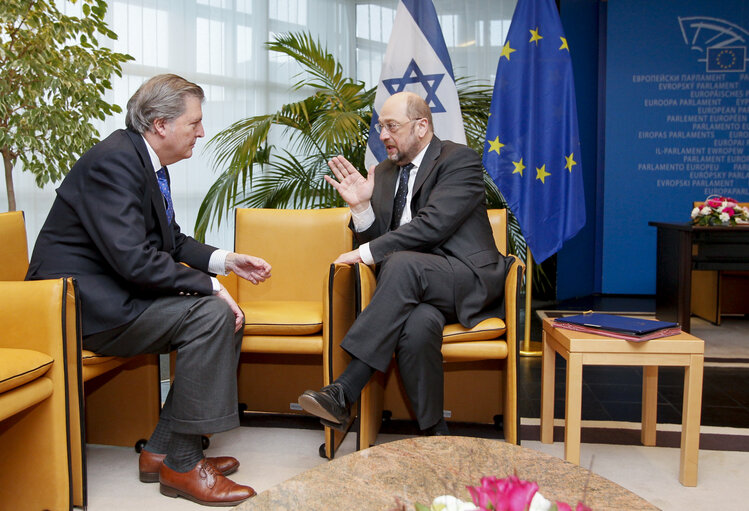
pixel 108 229
pixel 448 209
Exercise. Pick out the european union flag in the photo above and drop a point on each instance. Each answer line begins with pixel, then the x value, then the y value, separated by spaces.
pixel 532 149
pixel 728 58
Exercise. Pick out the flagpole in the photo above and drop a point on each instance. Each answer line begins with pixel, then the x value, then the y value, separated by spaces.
pixel 527 350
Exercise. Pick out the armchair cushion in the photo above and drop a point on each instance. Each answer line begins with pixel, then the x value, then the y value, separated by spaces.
pixel 19 366
pixel 490 328
pixel 282 317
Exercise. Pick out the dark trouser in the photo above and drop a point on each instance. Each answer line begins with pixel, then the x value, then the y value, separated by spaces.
pixel 413 299
pixel 203 396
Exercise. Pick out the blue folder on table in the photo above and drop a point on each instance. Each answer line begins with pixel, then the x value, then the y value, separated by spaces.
pixel 614 323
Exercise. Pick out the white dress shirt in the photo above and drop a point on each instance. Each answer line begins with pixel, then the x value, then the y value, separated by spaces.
pixel 362 221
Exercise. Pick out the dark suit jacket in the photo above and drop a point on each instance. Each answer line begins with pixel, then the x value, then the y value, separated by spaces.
pixel 448 209
pixel 108 229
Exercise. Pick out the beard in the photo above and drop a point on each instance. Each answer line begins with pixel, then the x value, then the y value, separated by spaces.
pixel 408 150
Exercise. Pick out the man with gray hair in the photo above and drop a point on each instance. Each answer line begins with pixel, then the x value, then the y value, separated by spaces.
pixel 112 226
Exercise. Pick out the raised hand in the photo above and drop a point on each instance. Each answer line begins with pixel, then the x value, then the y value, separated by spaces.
pixel 350 184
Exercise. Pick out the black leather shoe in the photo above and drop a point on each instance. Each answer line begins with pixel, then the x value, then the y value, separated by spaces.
pixel 329 403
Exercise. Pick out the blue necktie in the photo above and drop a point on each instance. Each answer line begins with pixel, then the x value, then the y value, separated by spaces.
pixel 164 186
pixel 399 202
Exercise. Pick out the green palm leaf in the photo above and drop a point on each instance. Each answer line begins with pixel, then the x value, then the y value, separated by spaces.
pixel 334 119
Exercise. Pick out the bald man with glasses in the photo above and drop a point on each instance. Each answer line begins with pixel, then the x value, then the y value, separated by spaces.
pixel 420 216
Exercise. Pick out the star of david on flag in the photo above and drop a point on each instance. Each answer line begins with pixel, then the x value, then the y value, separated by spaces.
pixel 532 149
pixel 416 60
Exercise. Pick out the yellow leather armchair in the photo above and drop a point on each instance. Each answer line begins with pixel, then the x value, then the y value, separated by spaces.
pixel 288 323
pixel 38 349
pixel 122 395
pixel 493 340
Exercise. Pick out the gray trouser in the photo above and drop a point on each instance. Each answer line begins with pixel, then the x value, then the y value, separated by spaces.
pixel 413 299
pixel 203 395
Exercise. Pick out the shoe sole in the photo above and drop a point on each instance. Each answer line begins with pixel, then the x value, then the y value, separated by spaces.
pixel 310 405
pixel 153 477
pixel 174 493
pixel 342 427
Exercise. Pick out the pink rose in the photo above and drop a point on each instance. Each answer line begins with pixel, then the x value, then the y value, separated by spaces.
pixel 508 494
pixel 729 210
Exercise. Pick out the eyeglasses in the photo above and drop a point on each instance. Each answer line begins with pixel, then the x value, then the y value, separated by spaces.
pixel 392 127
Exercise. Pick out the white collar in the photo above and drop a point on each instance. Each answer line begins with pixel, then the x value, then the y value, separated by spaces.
pixel 153 156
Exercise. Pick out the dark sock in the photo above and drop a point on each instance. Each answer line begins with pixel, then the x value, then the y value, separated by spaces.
pixel 159 441
pixel 185 451
pixel 354 378
pixel 440 428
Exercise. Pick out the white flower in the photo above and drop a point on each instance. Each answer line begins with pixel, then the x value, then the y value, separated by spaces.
pixel 706 210
pixel 695 212
pixel 539 503
pixel 450 503
pixel 741 221
pixel 724 217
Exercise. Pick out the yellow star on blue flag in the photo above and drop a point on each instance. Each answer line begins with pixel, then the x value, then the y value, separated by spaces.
pixel 541 135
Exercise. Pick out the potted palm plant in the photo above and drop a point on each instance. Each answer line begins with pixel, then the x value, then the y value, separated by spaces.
pixel 333 120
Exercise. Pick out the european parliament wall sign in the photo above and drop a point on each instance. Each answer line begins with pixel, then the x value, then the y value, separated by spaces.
pixel 677 123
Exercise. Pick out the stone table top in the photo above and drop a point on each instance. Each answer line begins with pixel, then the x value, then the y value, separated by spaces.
pixel 396 475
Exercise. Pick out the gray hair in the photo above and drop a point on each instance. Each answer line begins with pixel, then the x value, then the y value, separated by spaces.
pixel 161 97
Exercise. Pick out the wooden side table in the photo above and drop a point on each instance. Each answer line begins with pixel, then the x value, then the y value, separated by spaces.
pixel 580 349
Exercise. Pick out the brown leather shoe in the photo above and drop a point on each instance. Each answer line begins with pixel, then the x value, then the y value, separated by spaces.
pixel 203 484
pixel 149 463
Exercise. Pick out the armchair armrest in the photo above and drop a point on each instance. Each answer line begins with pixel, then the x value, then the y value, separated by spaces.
pixel 32 312
pixel 366 283
pixel 512 290
pixel 512 318
pixel 40 316
pixel 339 313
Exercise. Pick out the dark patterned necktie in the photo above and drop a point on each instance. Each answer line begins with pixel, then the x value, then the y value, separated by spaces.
pixel 164 186
pixel 399 202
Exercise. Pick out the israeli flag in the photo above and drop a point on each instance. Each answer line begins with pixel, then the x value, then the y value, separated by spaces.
pixel 416 60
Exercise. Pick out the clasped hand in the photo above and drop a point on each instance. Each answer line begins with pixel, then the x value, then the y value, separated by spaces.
pixel 251 268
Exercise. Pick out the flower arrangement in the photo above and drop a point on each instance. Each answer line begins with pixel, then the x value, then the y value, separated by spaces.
pixel 720 211
pixel 494 494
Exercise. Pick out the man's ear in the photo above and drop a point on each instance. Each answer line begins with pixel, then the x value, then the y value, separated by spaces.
pixel 422 127
pixel 159 127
